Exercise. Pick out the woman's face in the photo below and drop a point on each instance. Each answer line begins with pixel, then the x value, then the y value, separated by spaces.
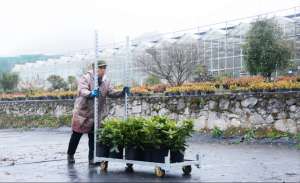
pixel 101 71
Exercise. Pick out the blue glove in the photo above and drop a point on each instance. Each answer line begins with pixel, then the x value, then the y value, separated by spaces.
pixel 126 90
pixel 95 93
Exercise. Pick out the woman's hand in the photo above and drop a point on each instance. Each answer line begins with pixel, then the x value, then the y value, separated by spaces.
pixel 95 93
pixel 126 90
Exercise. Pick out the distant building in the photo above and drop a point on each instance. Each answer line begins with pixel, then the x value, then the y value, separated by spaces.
pixel 218 48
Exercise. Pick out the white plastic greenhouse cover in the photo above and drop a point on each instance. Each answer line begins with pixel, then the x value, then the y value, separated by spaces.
pixel 74 64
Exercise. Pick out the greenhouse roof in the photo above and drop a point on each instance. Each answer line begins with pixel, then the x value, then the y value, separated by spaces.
pixel 214 34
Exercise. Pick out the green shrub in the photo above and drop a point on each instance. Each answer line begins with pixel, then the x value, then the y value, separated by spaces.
pixel 138 132
pixel 297 137
pixel 250 134
pixel 133 134
pixel 216 132
pixel 178 133
pixel 111 133
pixel 152 132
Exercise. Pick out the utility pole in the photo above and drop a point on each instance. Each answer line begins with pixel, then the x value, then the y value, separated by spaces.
pixel 96 110
pixel 126 73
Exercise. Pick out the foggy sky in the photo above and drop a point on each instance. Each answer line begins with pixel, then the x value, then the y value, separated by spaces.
pixel 64 26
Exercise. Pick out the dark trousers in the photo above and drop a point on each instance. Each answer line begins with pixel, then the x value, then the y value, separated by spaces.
pixel 74 141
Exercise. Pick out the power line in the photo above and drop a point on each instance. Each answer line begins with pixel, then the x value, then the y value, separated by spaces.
pixel 119 43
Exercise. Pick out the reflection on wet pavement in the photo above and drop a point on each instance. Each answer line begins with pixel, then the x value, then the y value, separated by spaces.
pixel 41 156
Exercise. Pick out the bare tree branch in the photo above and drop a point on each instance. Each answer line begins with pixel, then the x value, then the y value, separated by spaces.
pixel 173 62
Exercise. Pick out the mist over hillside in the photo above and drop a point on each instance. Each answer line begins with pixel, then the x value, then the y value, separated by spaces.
pixel 7 63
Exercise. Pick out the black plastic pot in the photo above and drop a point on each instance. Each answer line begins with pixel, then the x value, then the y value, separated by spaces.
pixel 117 155
pixel 176 156
pixel 158 155
pixel 132 153
pixel 102 150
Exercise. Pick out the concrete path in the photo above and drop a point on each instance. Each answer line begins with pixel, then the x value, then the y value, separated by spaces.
pixel 40 155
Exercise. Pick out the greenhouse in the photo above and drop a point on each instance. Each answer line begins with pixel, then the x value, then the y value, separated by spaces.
pixel 218 47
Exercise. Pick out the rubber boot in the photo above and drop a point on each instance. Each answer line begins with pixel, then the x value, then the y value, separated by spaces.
pixel 71 159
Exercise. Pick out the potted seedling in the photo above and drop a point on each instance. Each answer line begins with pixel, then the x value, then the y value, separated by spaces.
pixel 177 135
pixel 132 133
pixel 160 151
pixel 103 143
pixel 117 139
pixel 104 137
pixel 151 141
pixel 110 139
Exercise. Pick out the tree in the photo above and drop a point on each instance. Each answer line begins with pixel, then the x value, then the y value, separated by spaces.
pixel 172 62
pixel 201 74
pixel 72 83
pixel 265 49
pixel 9 81
pixel 152 80
pixel 57 82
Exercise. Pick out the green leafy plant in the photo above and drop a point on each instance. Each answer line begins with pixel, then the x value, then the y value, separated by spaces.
pixel 138 132
pixel 297 136
pixel 216 132
pixel 133 133
pixel 276 134
pixel 111 134
pixel 151 134
pixel 172 134
pixel 183 130
pixel 250 134
pixel 270 133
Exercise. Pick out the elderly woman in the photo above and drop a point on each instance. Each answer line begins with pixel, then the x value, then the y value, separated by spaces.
pixel 83 114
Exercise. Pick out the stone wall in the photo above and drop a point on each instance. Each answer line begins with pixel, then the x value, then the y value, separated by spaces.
pixel 280 110
pixel 45 113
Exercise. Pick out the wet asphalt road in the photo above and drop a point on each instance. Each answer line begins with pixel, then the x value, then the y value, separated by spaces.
pixel 40 155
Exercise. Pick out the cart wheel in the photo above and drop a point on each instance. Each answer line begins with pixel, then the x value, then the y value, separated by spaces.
pixel 187 170
pixel 103 165
pixel 159 172
pixel 129 168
